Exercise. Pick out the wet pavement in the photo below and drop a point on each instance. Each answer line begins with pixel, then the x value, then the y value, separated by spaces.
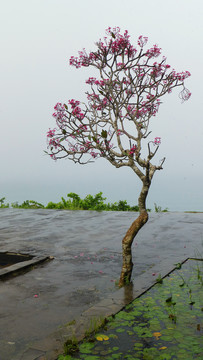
pixel 57 299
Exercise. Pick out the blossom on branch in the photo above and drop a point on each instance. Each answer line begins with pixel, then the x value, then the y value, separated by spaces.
pixel 120 103
pixel 157 141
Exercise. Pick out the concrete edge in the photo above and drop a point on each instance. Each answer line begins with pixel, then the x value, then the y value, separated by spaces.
pixel 22 267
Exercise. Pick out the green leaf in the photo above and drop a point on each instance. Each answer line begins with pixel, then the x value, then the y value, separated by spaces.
pixel 178 265
pixel 85 348
pixel 181 285
pixel 104 134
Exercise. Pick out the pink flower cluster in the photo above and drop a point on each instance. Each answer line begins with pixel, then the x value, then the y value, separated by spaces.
pixel 182 75
pixel 133 150
pixel 146 109
pixel 93 154
pixel 142 40
pixel 153 52
pixel 83 60
pixel 53 142
pixel 117 44
pixel 60 111
pixel 74 103
pixel 51 133
pixel 159 69
pixel 120 65
pixel 94 81
pixel 113 31
pixel 98 103
pixel 157 141
pixel 130 89
pixel 120 44
pixel 76 110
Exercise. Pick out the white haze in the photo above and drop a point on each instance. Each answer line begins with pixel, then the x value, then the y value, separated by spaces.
pixel 37 39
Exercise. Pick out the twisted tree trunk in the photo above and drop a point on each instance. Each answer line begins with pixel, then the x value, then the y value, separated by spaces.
pixel 127 241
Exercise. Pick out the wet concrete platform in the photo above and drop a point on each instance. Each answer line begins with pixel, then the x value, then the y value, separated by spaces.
pixel 40 309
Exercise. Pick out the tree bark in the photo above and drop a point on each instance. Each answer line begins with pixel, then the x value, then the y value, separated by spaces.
pixel 127 241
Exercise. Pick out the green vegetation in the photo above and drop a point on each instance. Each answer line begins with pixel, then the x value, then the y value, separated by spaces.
pixel 2 205
pixel 97 202
pixel 165 323
pixel 95 323
pixel 28 204
pixel 74 202
pixel 159 209
pixel 71 346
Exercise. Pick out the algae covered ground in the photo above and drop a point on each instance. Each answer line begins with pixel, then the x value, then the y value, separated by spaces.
pixel 165 323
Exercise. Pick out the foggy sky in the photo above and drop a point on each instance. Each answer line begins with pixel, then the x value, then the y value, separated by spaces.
pixel 37 39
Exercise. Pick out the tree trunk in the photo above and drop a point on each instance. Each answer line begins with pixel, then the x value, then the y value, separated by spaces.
pixel 127 241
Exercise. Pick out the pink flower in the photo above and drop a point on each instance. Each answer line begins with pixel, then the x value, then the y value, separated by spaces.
pixel 133 150
pixel 119 132
pixel 142 40
pixel 51 133
pixel 91 81
pixel 59 107
pixel 157 141
pixel 154 51
pixel 93 154
pixel 74 103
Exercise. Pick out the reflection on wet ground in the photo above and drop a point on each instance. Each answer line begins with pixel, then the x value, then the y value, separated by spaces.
pixel 86 246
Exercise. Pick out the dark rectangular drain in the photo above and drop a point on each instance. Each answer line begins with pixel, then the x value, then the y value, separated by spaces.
pixel 8 258
pixel 13 264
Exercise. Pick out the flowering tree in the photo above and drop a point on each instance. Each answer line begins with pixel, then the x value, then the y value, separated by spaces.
pixel 114 122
